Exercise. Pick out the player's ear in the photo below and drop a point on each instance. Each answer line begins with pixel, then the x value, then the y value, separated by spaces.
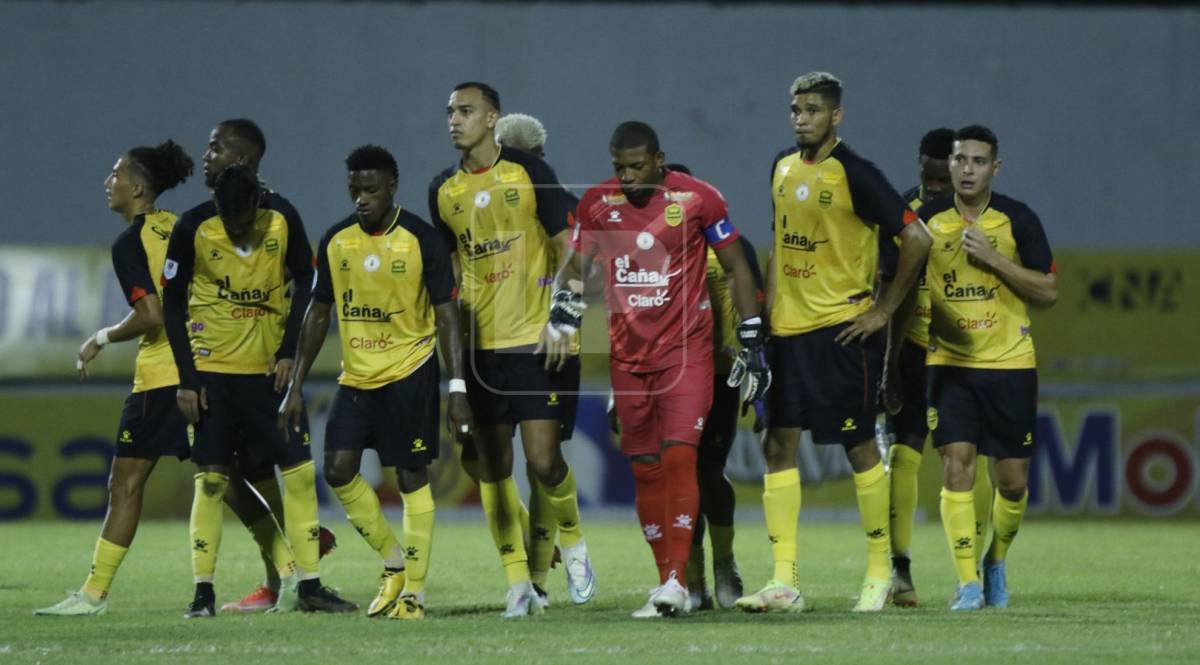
pixel 660 158
pixel 996 167
pixel 392 184
pixel 836 117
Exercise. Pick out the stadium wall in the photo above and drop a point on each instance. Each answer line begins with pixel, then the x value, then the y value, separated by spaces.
pixel 1091 103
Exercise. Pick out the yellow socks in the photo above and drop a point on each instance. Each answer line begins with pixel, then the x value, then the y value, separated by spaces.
pixel 502 507
pixel 958 519
pixel 274 545
pixel 905 463
pixel 1006 516
pixel 721 538
pixel 873 492
pixel 105 561
pixel 208 513
pixel 565 504
pixel 781 506
pixel 983 505
pixel 300 517
pixel 541 530
pixel 418 537
pixel 362 508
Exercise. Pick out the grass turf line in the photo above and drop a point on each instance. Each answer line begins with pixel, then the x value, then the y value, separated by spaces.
pixel 1082 592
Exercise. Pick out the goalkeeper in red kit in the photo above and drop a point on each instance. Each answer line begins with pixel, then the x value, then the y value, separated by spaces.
pixel 651 228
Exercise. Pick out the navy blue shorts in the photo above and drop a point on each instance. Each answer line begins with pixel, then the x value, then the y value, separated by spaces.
pixel 401 420
pixel 995 409
pixel 242 418
pixel 152 426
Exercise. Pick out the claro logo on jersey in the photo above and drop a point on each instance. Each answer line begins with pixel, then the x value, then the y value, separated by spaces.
pixel 627 276
pixel 363 312
pixel 986 323
pixel 484 248
pixel 965 292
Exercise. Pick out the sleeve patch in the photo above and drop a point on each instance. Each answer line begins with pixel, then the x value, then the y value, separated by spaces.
pixel 170 269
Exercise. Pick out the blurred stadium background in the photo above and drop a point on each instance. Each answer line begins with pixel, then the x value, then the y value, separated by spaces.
pixel 1091 104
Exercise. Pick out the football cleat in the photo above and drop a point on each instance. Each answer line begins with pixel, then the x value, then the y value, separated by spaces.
pixel 324 599
pixel 775 597
pixel 522 601
pixel 288 599
pixel 903 592
pixel 672 598
pixel 259 600
pixel 328 542
pixel 407 608
pixel 391 583
pixel 581 580
pixel 76 604
pixel 543 596
pixel 968 597
pixel 699 599
pixel 995 584
pixel 874 595
pixel 648 611
pixel 727 582
pixel 203 604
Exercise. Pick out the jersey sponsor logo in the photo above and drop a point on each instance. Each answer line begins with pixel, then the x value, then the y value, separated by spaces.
pixel 614 199
pixel 679 197
pixel 240 313
pixel 363 312
pixel 271 245
pixel 626 275
pixel 497 276
pixel 486 247
pixel 986 323
pixel 674 215
pixel 482 199
pixel 227 291
pixel 197 326
pixel 800 272
pixel 170 269
pixel 371 263
pixel 645 300
pixel 380 342
pixel 645 240
pixel 800 242
pixel 968 292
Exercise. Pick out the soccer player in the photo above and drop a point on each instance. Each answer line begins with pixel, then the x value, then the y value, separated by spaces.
pixel 826 350
pixel 395 289
pixel 906 376
pixel 151 426
pixel 503 211
pixel 717 499
pixel 990 262
pixel 651 228
pixel 233 338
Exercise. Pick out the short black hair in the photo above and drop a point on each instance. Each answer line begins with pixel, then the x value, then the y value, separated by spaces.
pixel 675 166
pixel 489 93
pixel 372 158
pixel 634 134
pixel 979 133
pixel 163 166
pixel 235 191
pixel 248 131
pixel 937 143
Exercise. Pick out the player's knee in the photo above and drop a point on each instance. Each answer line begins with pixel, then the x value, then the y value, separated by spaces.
pixel 959 472
pixel 339 475
pixel 412 479
pixel 124 488
pixel 549 468
pixel 1012 489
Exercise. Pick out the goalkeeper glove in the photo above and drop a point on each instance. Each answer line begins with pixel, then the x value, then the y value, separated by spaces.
pixel 566 313
pixel 750 368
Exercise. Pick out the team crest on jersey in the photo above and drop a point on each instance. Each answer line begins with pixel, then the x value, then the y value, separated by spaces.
pixel 398 266
pixel 482 199
pixel 674 215
pixel 371 263
pixel 802 192
pixel 271 245
pixel 645 240
pixel 512 198
pixel 825 199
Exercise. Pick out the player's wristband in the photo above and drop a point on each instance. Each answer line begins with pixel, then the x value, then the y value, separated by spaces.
pixel 458 386
pixel 102 337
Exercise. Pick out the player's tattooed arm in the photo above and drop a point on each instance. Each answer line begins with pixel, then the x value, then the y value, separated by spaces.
pixel 458 412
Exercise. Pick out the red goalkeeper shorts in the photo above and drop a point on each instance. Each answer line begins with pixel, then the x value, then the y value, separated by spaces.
pixel 669 404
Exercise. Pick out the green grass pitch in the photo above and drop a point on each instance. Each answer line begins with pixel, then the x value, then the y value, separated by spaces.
pixel 1084 592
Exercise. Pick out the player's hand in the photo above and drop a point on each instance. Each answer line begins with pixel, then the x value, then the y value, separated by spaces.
pixel 751 372
pixel 893 388
pixel 556 346
pixel 87 353
pixel 282 369
pixel 863 326
pixel 458 415
pixel 291 411
pixel 977 246
pixel 191 403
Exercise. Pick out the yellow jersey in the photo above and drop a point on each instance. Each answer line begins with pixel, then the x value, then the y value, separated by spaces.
pixel 137 256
